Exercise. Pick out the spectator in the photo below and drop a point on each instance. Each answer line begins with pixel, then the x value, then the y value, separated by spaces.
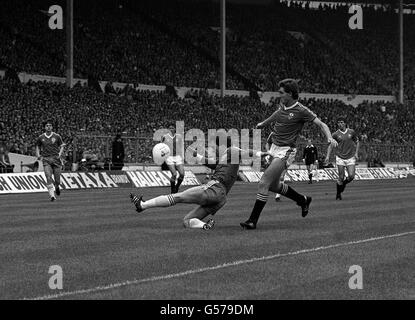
pixel 5 166
pixel 117 153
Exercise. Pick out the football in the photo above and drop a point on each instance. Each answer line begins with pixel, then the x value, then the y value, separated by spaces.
pixel 160 152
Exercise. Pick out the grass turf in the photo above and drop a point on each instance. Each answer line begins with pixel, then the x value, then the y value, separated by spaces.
pixel 99 241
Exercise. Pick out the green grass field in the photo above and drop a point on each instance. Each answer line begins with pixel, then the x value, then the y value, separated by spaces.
pixel 107 251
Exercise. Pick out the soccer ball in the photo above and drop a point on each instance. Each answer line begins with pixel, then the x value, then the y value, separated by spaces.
pixel 160 152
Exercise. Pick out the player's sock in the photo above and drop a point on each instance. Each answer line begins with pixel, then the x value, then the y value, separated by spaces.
pixel 290 193
pixel 51 190
pixel 161 201
pixel 194 223
pixel 347 180
pixel 179 182
pixel 261 200
pixel 173 185
pixel 310 177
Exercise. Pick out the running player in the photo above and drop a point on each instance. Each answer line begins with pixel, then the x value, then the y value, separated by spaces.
pixel 288 121
pixel 49 149
pixel 346 154
pixel 175 160
pixel 310 158
pixel 211 196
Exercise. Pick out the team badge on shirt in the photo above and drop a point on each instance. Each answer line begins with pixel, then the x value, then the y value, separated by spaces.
pixel 291 115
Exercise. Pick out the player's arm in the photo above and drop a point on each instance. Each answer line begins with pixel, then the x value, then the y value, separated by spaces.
pixel 37 149
pixel 326 131
pixel 251 152
pixel 61 148
pixel 205 159
pixel 267 121
pixel 357 148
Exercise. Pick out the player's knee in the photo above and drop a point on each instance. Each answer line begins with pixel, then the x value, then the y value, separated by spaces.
pixel 173 177
pixel 351 177
pixel 186 222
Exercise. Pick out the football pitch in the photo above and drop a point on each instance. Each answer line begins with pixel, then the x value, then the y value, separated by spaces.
pixel 107 251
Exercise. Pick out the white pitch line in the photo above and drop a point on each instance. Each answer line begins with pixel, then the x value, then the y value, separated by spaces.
pixel 221 266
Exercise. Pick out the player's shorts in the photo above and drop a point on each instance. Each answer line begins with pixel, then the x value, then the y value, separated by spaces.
pixel 174 160
pixel 53 162
pixel 345 162
pixel 286 154
pixel 214 196
pixel 310 163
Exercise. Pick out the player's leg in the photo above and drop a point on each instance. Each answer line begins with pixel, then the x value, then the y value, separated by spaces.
pixel 57 170
pixel 272 173
pixel 49 181
pixel 173 172
pixel 314 171
pixel 287 191
pixel 194 218
pixel 277 195
pixel 339 184
pixel 213 198
pixel 193 195
pixel 350 175
pixel 180 170
pixel 310 174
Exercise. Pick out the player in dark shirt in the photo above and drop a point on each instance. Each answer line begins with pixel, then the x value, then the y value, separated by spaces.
pixel 288 122
pixel 346 155
pixel 310 158
pixel 210 196
pixel 49 149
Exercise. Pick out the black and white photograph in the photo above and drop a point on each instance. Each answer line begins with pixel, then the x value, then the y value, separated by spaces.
pixel 207 157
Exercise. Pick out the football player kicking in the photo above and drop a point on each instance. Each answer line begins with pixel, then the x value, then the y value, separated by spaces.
pixel 49 149
pixel 346 155
pixel 211 196
pixel 288 121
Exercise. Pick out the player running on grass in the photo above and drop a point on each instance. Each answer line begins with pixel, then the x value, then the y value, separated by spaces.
pixel 288 121
pixel 346 154
pixel 49 149
pixel 211 196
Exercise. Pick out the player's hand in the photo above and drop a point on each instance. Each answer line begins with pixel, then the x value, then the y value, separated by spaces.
pixel 260 125
pixel 326 161
pixel 356 156
pixel 333 142
pixel 304 160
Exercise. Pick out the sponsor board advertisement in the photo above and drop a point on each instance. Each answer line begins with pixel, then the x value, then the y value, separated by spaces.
pixel 36 181
pixel 331 174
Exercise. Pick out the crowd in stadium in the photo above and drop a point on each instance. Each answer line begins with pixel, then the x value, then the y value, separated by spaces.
pixel 152 42
pixel 88 120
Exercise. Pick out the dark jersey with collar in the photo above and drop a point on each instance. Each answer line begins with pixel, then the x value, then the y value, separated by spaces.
pixel 226 167
pixel 347 143
pixel 288 124
pixel 49 146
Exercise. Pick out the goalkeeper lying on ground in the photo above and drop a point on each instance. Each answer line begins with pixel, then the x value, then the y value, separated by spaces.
pixel 211 196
